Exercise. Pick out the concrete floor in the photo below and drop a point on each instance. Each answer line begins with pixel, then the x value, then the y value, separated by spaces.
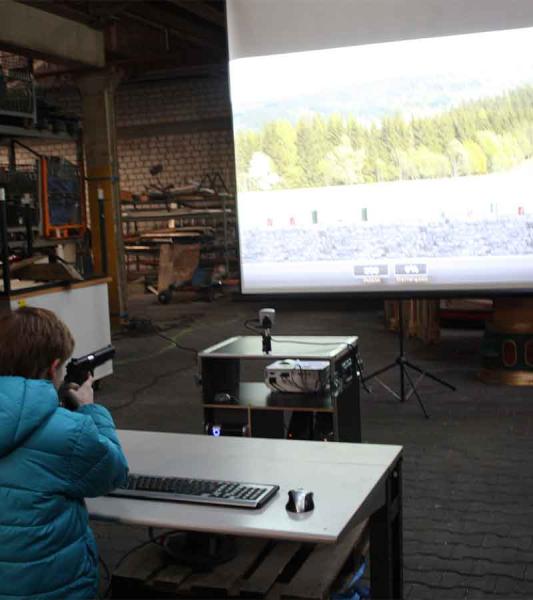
pixel 468 480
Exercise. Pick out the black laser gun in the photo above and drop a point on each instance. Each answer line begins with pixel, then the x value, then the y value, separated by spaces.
pixel 79 369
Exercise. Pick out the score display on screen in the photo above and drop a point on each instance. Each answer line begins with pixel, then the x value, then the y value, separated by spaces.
pixel 387 167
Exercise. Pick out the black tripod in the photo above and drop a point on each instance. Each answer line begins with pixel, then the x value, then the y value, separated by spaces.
pixel 404 364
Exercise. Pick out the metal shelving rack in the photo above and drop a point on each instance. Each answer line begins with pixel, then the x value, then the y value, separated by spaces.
pixel 9 137
pixel 182 212
pixel 17 89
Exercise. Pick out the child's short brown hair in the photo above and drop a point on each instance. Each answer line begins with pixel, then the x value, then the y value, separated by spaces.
pixel 30 340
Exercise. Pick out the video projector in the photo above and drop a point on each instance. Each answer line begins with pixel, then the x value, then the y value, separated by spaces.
pixel 298 376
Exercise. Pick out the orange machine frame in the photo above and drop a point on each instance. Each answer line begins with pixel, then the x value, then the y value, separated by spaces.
pixel 73 230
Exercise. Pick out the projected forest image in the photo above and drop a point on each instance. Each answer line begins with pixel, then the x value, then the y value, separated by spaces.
pixel 475 138
pixel 444 107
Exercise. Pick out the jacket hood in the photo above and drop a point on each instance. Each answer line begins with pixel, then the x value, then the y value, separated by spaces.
pixel 24 405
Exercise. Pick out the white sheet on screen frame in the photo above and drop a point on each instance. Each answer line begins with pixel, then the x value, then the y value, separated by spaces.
pixel 264 27
pixel 269 27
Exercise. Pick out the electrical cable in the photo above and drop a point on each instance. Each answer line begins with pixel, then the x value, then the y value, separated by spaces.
pixel 299 386
pixel 119 563
pixel 255 328
pixel 156 378
pixel 304 375
pixel 144 388
pixel 146 322
pixel 361 370
pixel 276 387
pixel 359 363
pixel 173 341
pixel 308 343
pixel 151 540
pixel 106 570
pixel 151 535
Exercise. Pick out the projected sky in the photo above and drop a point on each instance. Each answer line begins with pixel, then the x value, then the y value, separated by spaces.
pixel 329 81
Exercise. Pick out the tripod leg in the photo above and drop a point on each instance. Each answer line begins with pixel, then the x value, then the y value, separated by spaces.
pixel 411 392
pixel 375 375
pixel 402 382
pixel 431 376
pixel 390 390
pixel 401 358
pixel 380 371
pixel 415 391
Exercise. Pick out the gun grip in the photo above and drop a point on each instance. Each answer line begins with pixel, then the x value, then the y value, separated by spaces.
pixel 84 375
pixel 64 399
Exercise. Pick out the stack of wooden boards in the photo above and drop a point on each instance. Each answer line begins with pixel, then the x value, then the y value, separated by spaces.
pixel 37 269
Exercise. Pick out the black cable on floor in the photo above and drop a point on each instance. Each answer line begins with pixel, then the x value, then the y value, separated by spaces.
pixel 144 388
pixel 106 570
pixel 169 339
pixel 155 379
pixel 255 328
pixel 146 325
pixel 152 540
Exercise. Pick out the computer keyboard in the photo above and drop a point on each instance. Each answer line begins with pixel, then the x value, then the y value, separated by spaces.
pixel 202 491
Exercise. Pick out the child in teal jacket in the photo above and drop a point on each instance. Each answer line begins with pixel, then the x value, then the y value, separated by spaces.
pixel 50 460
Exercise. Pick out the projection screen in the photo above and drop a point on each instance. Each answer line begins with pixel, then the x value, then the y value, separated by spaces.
pixel 383 145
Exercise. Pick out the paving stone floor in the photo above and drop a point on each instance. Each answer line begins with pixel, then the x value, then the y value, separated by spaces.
pixel 468 477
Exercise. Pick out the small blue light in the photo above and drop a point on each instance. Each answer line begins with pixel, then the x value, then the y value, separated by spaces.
pixel 216 431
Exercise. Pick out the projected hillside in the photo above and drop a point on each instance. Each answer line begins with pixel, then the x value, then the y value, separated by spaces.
pixel 415 150
pixel 475 138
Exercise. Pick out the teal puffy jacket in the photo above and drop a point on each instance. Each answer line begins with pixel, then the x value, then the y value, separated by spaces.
pixel 50 460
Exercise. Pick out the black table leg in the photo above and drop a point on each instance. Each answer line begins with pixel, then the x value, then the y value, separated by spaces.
pixel 386 551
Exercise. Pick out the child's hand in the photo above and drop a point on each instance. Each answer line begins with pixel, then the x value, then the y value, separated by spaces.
pixel 82 394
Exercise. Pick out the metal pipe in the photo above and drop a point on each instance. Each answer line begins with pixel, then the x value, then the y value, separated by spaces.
pixel 27 203
pixel 101 218
pixel 225 222
pixel 31 150
pixel 5 247
pixel 12 157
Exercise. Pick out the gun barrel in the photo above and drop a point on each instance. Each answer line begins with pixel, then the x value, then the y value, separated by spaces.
pixel 94 359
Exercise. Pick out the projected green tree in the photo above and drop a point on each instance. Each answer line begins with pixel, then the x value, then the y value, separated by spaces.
pixel 476 138
pixel 280 143
pixel 312 144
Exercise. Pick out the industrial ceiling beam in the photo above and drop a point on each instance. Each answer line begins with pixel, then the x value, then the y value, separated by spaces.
pixel 102 12
pixel 38 33
pixel 157 67
pixel 203 10
pixel 62 10
pixel 176 25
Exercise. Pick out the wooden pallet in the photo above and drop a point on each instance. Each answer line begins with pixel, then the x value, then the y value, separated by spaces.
pixel 274 570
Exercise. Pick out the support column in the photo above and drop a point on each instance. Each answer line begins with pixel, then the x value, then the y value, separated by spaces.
pixel 100 145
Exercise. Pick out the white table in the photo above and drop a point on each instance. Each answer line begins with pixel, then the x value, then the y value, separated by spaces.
pixel 351 482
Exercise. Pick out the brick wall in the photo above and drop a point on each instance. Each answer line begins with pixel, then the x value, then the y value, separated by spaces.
pixel 65 150
pixel 182 99
pixel 184 156
pixel 140 106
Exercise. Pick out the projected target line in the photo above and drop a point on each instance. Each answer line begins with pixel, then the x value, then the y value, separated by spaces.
pixel 404 364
